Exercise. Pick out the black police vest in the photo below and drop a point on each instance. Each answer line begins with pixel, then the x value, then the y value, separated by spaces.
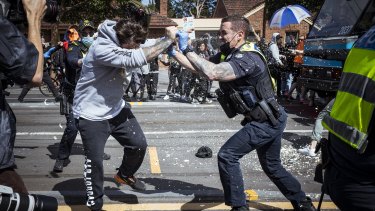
pixel 253 97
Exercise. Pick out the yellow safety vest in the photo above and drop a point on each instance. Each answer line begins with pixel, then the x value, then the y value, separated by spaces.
pixel 250 47
pixel 354 106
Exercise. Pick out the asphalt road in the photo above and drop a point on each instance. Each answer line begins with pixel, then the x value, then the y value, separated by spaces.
pixel 175 178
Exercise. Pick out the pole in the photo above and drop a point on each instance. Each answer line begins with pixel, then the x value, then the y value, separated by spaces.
pixel 264 19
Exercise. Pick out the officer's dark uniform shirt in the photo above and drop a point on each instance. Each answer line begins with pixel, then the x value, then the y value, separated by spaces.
pixel 360 167
pixel 73 54
pixel 243 63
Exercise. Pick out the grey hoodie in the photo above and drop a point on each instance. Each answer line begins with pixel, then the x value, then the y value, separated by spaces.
pixel 275 49
pixel 106 72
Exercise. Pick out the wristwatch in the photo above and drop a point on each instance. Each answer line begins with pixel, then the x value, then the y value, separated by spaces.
pixel 188 49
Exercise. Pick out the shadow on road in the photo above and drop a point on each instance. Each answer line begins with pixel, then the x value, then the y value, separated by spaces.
pixel 77 149
pixel 201 193
pixel 74 193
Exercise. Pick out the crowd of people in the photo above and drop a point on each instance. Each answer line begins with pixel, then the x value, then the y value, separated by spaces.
pixel 100 66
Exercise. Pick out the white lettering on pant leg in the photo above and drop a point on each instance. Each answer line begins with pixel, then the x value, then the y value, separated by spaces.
pixel 88 182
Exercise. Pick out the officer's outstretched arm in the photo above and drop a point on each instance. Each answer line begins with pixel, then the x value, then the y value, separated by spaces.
pixel 216 72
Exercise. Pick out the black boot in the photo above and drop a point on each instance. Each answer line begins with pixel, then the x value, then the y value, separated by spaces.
pixel 304 205
pixel 242 208
pixel 60 164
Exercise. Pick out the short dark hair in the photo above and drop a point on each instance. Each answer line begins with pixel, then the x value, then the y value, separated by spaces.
pixel 238 23
pixel 128 30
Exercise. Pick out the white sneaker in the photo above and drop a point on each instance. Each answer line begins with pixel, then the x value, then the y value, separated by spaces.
pixel 195 101
pixel 166 97
pixel 307 151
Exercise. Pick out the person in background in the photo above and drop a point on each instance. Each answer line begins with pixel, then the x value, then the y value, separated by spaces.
pixel 174 69
pixel 77 46
pixel 298 61
pixel 274 47
pixel 201 84
pixel 153 79
pixel 46 75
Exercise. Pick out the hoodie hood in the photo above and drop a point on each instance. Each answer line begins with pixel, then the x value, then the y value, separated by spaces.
pixel 106 31
pixel 274 35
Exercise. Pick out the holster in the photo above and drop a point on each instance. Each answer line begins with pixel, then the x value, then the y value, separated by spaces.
pixel 238 103
pixel 267 110
pixel 225 103
pixel 64 105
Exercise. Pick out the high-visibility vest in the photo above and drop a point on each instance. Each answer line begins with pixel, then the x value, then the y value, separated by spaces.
pixel 354 106
pixel 251 47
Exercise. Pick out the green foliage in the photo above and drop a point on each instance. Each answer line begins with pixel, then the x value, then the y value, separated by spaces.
pixel 72 11
pixel 185 8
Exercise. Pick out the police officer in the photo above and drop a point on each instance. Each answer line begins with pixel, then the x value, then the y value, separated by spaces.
pixel 350 176
pixel 76 50
pixel 246 88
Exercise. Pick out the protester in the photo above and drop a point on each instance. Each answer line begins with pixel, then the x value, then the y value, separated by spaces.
pixel 274 47
pixel 77 47
pixel 22 63
pixel 242 74
pixel 349 177
pixel 99 108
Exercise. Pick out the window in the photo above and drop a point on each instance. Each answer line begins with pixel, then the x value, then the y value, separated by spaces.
pixel 337 18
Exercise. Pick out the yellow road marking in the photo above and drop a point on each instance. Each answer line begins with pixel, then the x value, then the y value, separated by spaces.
pixel 136 103
pixel 288 205
pixel 252 195
pixel 154 160
pixel 190 206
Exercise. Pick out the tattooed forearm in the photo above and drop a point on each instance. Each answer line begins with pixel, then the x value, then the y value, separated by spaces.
pixel 160 46
pixel 216 72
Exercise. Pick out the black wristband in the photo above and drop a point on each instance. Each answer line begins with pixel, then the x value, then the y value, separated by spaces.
pixel 188 49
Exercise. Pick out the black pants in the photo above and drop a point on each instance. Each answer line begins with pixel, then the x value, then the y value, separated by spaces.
pixel 266 140
pixel 127 131
pixel 69 136
pixel 152 80
pixel 347 193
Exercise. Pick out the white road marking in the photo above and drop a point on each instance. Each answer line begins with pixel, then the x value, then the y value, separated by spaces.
pixel 160 132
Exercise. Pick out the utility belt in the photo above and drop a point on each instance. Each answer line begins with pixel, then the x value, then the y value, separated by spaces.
pixel 254 110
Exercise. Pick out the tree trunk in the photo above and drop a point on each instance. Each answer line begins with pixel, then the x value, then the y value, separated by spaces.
pixel 55 36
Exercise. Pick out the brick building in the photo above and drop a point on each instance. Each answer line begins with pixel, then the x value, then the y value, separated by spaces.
pixel 251 9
